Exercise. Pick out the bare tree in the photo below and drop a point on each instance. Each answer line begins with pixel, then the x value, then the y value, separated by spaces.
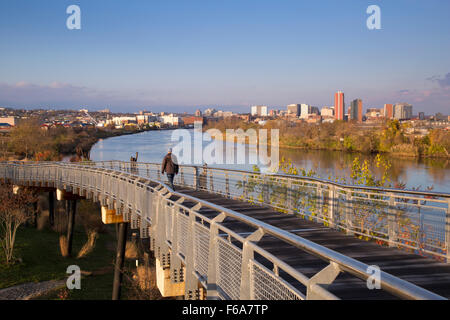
pixel 13 213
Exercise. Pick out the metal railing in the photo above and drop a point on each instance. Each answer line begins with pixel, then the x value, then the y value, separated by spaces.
pixel 417 221
pixel 198 247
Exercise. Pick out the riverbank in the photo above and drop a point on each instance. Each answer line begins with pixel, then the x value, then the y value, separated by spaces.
pixel 29 141
pixel 391 138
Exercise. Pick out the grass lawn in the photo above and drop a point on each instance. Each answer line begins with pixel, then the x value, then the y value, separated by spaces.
pixel 42 260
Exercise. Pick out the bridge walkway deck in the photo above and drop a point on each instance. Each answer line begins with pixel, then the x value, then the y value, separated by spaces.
pixel 422 271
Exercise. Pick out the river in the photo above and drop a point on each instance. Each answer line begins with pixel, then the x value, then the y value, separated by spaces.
pixel 153 145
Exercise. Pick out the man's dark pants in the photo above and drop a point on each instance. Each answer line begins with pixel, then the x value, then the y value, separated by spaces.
pixel 170 176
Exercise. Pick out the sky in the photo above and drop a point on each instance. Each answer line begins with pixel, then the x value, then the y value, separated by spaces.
pixel 183 55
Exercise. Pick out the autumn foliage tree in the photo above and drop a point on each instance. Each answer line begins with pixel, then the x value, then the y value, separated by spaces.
pixel 13 213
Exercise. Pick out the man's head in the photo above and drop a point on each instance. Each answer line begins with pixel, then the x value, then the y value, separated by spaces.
pixel 169 151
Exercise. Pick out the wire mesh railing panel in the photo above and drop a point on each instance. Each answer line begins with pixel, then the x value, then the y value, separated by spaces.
pixel 201 249
pixel 265 285
pixel 229 268
pixel 182 230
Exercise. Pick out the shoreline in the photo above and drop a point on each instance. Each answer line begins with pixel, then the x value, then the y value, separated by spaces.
pixel 390 154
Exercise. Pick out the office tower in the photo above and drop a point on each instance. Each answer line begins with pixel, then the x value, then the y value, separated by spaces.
pixel 421 116
pixel 388 111
pixel 403 111
pixel 339 105
pixel 355 110
pixel 305 110
pixel 293 109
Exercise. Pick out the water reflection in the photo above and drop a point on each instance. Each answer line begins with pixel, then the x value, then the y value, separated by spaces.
pixel 153 145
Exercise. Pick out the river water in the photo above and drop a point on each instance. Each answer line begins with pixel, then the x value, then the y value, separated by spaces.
pixel 153 145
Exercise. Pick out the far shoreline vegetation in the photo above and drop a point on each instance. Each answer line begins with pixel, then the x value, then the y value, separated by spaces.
pixel 29 141
pixel 390 138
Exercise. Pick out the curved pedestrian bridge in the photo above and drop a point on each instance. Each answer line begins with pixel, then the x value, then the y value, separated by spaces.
pixel 227 234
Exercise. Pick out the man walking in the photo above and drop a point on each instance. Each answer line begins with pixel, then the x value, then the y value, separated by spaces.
pixel 170 166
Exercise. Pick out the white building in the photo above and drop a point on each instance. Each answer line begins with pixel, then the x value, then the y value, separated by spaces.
pixel 170 120
pixel 118 121
pixel 305 110
pixel 9 120
pixel 260 111
pixel 327 112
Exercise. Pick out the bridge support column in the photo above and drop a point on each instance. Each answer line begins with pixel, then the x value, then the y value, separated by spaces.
pixel 71 208
pixel 51 208
pixel 120 257
pixel 164 282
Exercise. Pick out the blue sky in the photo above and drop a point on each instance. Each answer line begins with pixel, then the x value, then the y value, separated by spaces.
pixel 180 55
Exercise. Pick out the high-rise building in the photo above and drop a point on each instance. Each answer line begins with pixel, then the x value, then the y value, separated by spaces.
pixel 293 109
pixel 260 111
pixel 314 110
pixel 355 110
pixel 305 110
pixel 339 105
pixel 421 116
pixel 388 111
pixel 403 111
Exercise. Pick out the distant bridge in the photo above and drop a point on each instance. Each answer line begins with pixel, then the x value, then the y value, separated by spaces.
pixel 228 234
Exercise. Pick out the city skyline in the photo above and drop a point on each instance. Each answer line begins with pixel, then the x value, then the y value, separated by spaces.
pixel 180 57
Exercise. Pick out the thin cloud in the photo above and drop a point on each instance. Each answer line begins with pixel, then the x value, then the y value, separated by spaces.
pixel 443 82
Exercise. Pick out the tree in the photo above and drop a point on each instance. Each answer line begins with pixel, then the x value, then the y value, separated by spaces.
pixel 27 138
pixel 13 213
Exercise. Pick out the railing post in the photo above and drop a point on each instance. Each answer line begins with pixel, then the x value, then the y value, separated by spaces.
pixel 320 201
pixel 349 213
pixel 289 197
pixel 331 204
pixel 447 230
pixel 211 181
pixel 182 176
pixel 247 256
pixel 227 185
pixel 266 191
pixel 392 223
pixel 196 178
pixel 244 185
pixel 211 289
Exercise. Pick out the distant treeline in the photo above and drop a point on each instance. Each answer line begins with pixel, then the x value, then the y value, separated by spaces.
pixel 390 137
pixel 30 141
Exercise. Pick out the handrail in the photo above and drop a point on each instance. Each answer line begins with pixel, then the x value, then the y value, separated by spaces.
pixel 392 284
pixel 337 184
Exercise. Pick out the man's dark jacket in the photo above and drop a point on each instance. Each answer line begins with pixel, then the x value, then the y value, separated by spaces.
pixel 168 166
